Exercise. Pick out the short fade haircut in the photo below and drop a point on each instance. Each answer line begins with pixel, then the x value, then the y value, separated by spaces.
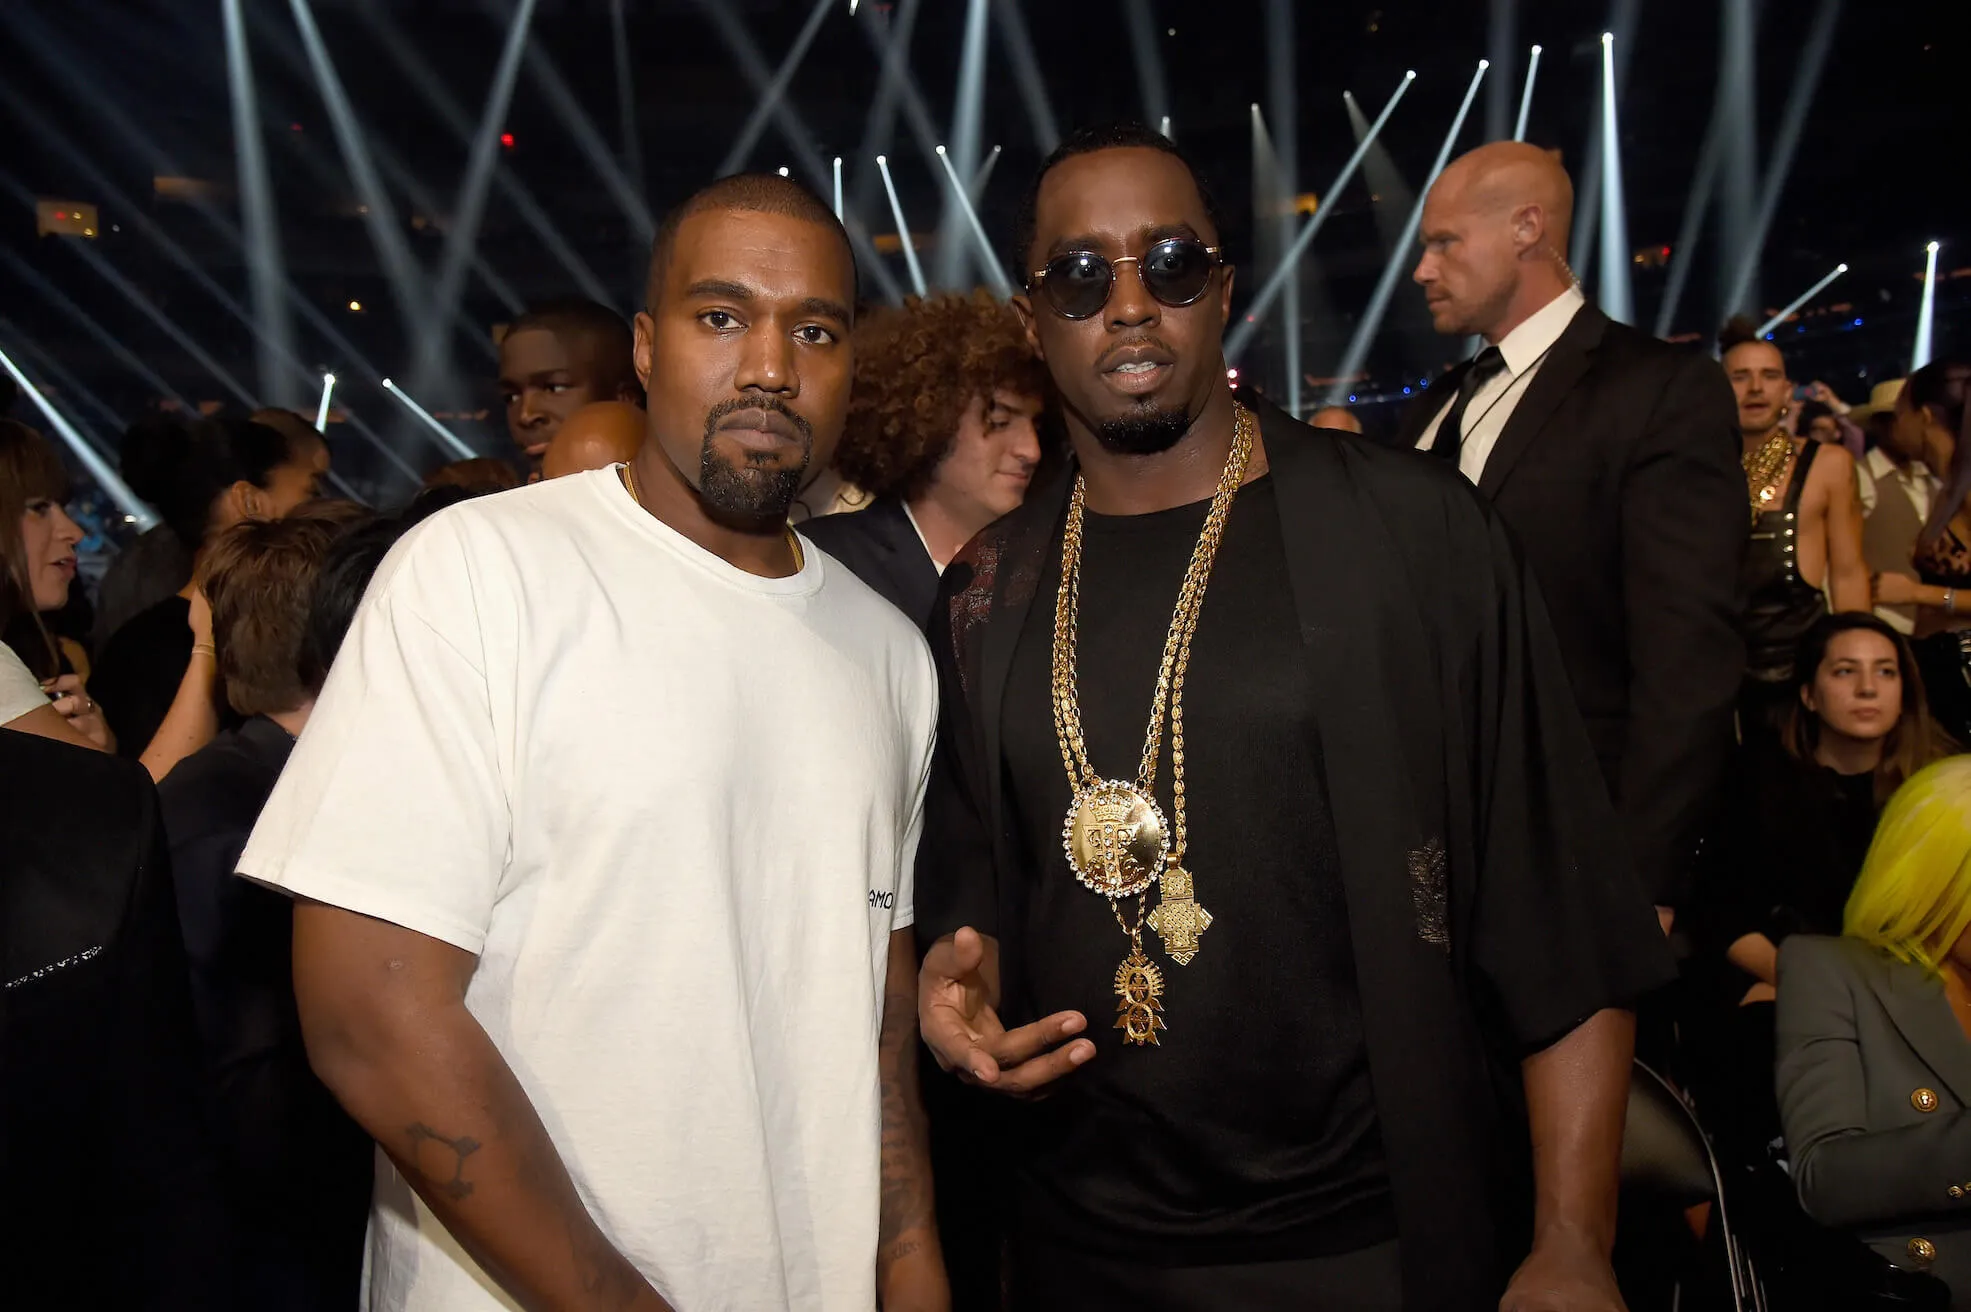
pixel 1123 134
pixel 579 318
pixel 259 577
pixel 751 193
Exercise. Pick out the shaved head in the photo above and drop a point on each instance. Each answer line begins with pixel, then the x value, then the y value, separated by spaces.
pixel 1495 229
pixel 596 436
pixel 1335 416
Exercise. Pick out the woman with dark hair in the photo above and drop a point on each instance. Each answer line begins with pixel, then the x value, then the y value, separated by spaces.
pixel 37 565
pixel 223 471
pixel 1798 820
pixel 1931 415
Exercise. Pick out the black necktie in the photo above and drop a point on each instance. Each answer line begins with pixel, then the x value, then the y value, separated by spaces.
pixel 1486 366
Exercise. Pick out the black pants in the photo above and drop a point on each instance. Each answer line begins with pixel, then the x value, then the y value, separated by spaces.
pixel 1046 1277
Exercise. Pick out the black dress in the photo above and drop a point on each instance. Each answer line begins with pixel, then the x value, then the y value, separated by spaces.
pixel 1945 658
pixel 1788 846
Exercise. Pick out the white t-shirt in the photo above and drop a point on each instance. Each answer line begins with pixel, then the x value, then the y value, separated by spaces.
pixel 673 809
pixel 20 691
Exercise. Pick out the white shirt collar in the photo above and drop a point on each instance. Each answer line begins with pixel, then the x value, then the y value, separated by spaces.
pixel 922 539
pixel 1881 466
pixel 1526 344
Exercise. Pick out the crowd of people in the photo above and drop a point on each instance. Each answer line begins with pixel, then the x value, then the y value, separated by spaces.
pixel 715 857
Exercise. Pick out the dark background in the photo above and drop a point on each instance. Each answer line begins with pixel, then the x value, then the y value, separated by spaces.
pixel 102 97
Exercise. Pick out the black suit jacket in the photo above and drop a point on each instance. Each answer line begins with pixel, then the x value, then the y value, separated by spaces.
pixel 1619 473
pixel 107 1178
pixel 881 547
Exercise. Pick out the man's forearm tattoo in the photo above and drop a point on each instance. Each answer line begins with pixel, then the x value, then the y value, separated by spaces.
pixel 440 1160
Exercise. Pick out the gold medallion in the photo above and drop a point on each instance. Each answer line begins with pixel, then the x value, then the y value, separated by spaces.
pixel 1139 999
pixel 1178 918
pixel 1116 839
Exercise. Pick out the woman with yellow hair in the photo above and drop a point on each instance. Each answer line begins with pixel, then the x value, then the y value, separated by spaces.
pixel 1874 1067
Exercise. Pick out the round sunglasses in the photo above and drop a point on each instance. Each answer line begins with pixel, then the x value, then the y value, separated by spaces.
pixel 1077 285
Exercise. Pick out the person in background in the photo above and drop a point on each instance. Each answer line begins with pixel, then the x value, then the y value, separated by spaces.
pixel 279 1131
pixel 156 563
pixel 37 568
pixel 1931 414
pixel 1874 1041
pixel 108 1180
pixel 600 434
pixel 225 470
pixel 1799 815
pixel 475 477
pixel 941 432
pixel 1817 423
pixel 1806 552
pixel 556 358
pixel 1335 416
pixel 1895 488
pixel 1610 456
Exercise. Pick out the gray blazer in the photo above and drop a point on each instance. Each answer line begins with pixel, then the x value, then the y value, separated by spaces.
pixel 1874 1078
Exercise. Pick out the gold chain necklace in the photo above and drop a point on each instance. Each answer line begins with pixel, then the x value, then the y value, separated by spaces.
pixel 1763 468
pixel 793 541
pixel 1116 839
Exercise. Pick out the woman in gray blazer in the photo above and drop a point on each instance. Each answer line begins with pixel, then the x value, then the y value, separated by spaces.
pixel 1874 1041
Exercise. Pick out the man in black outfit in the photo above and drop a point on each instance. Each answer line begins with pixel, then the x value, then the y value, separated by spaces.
pixel 1288 982
pixel 1613 457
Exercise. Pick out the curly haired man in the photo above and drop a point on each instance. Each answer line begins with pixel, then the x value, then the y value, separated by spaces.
pixel 941 432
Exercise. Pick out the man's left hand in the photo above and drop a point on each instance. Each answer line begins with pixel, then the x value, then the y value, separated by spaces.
pixel 911 1276
pixel 1564 1273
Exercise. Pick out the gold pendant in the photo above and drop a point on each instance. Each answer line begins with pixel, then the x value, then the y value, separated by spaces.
pixel 1178 918
pixel 1139 994
pixel 1116 839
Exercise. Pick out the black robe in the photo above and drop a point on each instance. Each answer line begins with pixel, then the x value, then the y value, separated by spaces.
pixel 1491 903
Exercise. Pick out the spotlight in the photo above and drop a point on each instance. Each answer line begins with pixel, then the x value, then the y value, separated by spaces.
pixel 1526 95
pixel 1766 328
pixel 838 179
pixel 782 170
pixel 322 410
pixel 355 307
pixel 1002 287
pixel 506 140
pixel 135 511
pixel 1927 316
pixel 451 440
pixel 903 227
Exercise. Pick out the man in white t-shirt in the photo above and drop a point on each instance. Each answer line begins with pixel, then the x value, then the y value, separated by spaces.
pixel 602 834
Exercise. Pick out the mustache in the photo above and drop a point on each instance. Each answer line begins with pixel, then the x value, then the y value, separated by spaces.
pixel 771 405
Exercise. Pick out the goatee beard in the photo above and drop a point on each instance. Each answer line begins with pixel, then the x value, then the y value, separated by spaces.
pixel 751 488
pixel 1143 432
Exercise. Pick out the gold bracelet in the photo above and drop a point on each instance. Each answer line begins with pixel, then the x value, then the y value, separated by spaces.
pixel 205 649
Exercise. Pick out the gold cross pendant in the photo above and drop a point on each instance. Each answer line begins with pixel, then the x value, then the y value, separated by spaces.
pixel 1178 919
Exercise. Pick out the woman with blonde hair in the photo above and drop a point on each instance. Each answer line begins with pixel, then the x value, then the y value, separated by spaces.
pixel 1874 1041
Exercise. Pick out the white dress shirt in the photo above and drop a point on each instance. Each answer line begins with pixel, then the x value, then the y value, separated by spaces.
pixel 1523 349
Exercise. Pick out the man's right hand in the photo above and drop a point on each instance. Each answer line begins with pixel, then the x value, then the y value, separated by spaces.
pixel 956 994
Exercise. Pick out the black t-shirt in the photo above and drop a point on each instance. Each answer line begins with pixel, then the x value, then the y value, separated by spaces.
pixel 1250 1132
pixel 137 676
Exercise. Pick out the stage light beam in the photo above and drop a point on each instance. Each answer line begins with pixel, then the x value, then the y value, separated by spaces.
pixel 1684 253
pixel 379 216
pixel 1927 316
pixel 1614 292
pixel 1255 315
pixel 903 227
pixel 1801 300
pixel 322 409
pixel 273 326
pixel 1149 64
pixel 1026 74
pixel 127 501
pixel 756 122
pixel 984 175
pixel 968 111
pixel 1526 96
pixel 1365 330
pixel 451 441
pixel 838 188
pixel 1786 143
pixel 1002 287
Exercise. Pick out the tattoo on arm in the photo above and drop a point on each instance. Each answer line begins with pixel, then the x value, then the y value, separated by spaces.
pixel 441 1160
pixel 906 1174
